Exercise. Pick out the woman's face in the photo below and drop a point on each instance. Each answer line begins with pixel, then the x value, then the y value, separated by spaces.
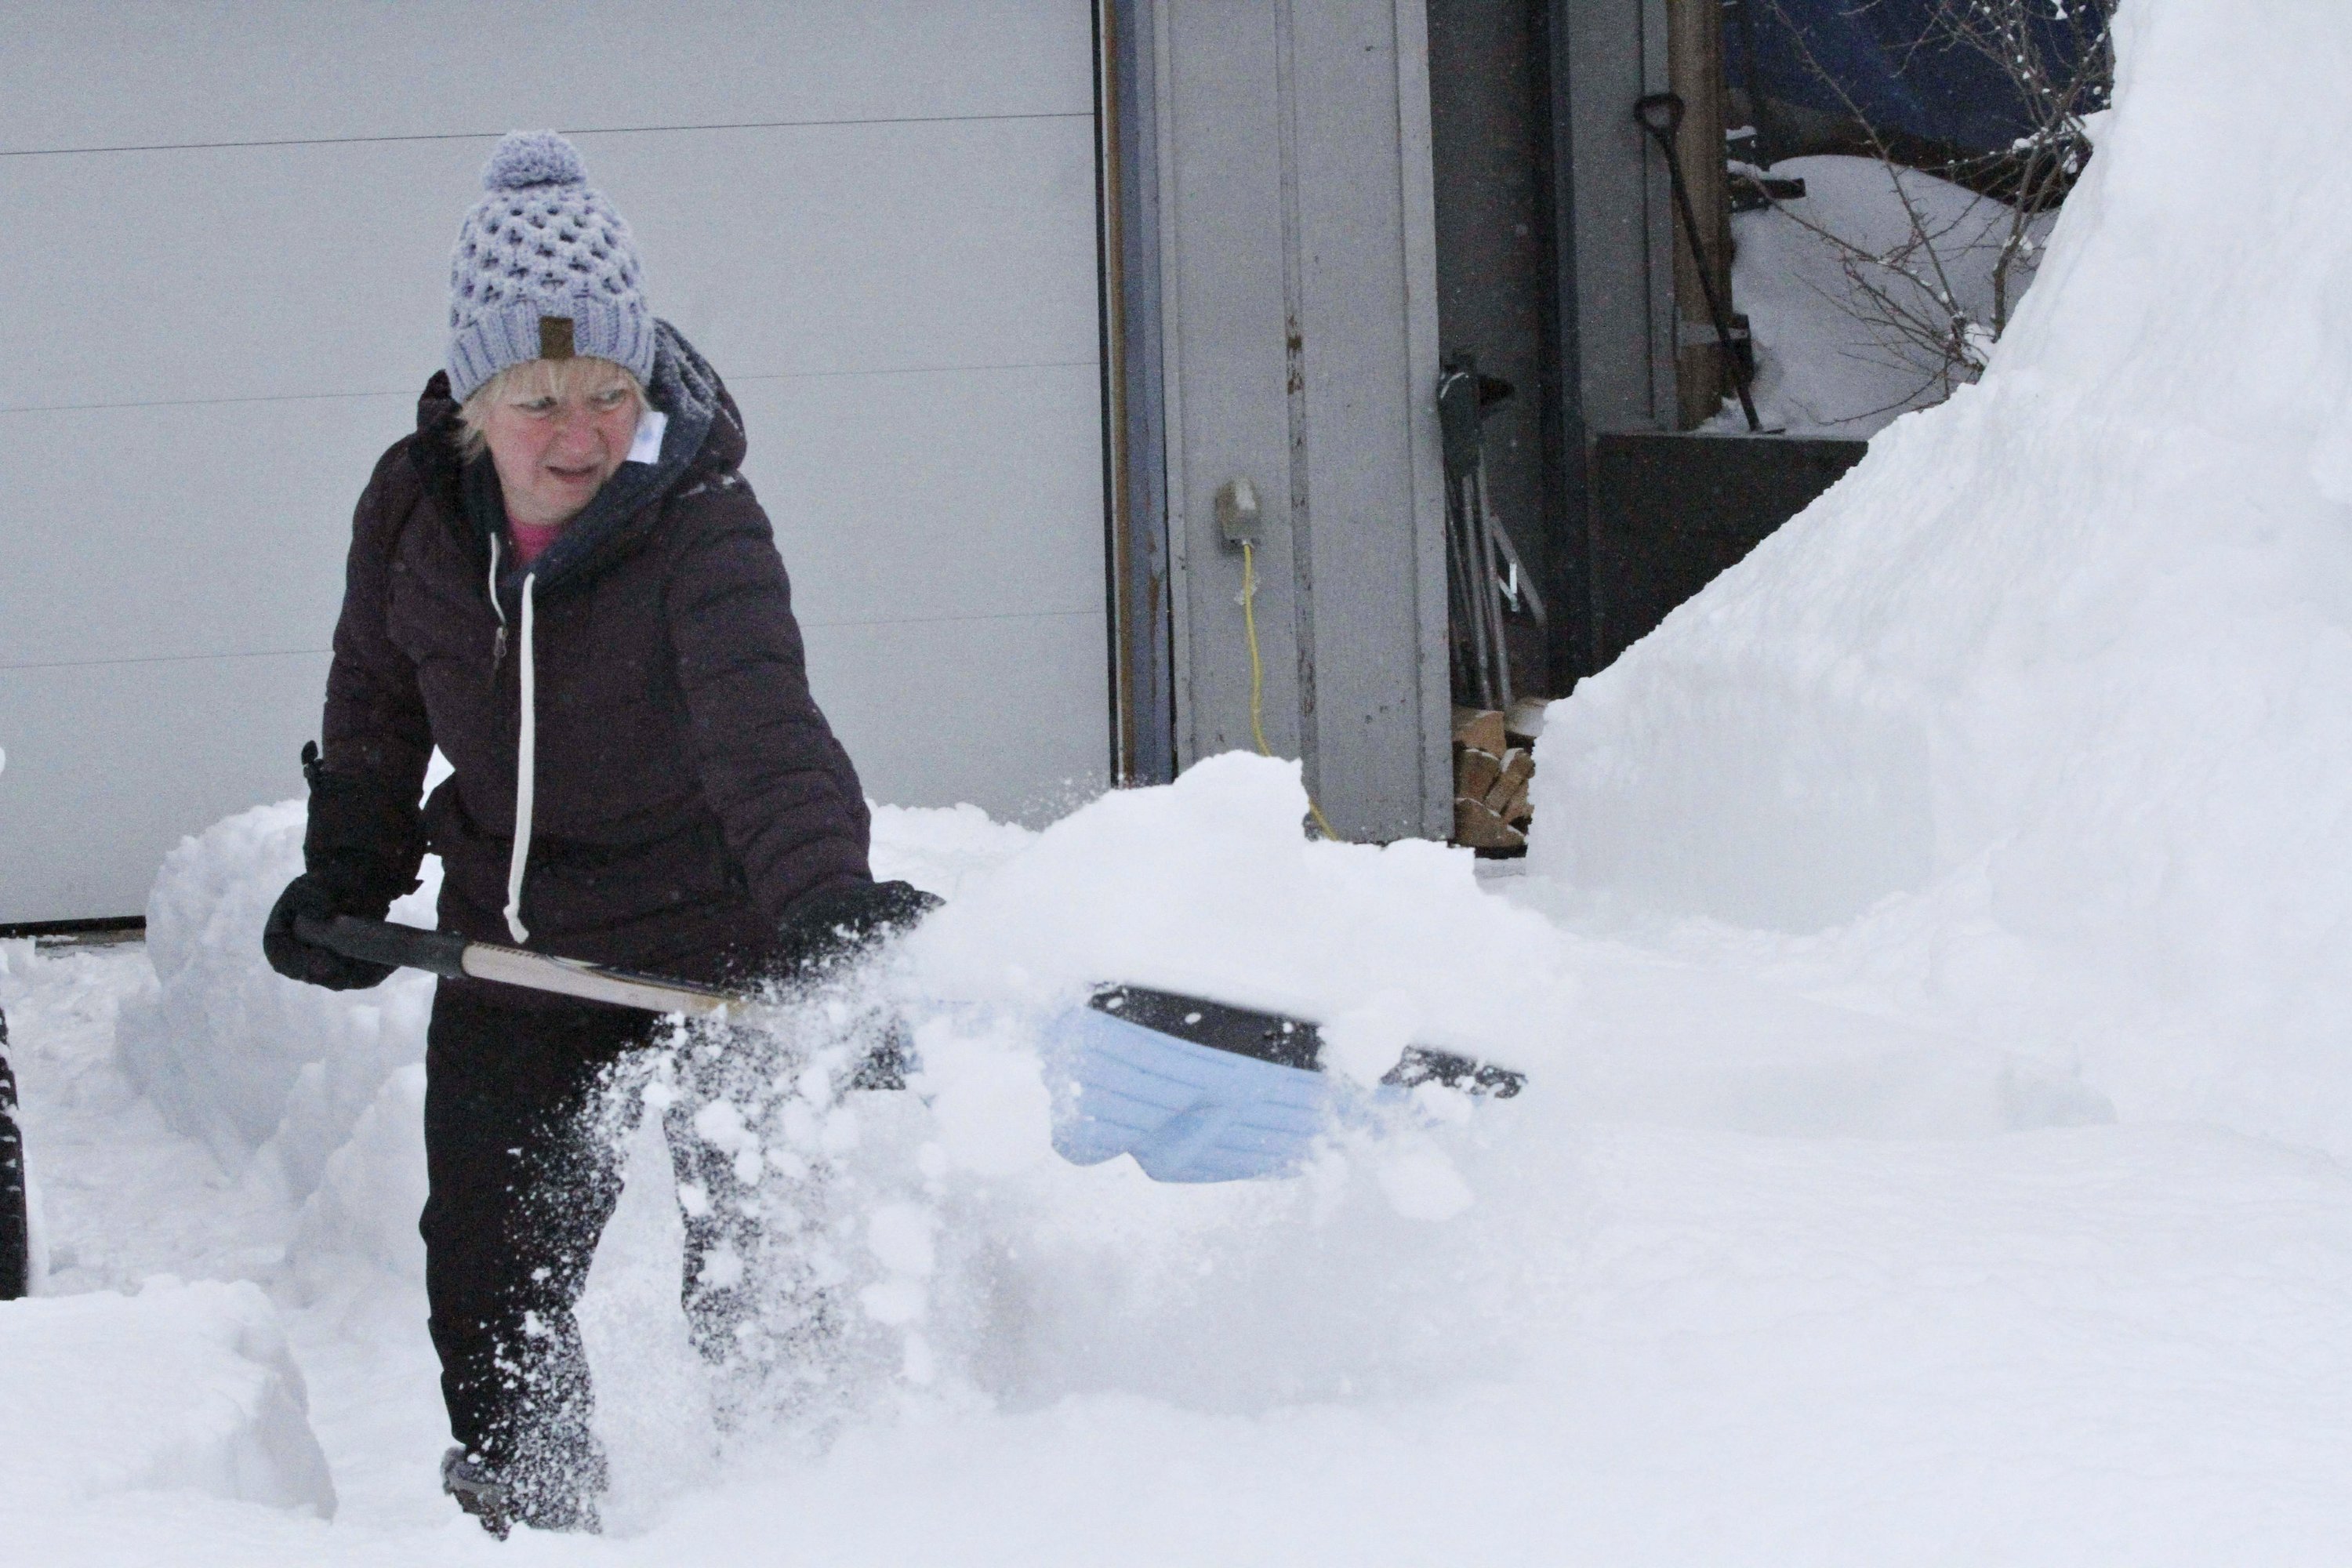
pixel 554 451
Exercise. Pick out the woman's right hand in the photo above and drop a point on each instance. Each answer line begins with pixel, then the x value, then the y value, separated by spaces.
pixel 841 922
pixel 322 898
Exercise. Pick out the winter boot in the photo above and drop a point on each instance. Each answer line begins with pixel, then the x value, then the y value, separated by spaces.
pixel 479 1492
pixel 542 1496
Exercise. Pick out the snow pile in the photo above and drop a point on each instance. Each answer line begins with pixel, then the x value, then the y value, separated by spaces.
pixel 371 1191
pixel 1406 1258
pixel 1208 886
pixel 179 1386
pixel 237 1056
pixel 2048 703
pixel 939 849
pixel 978 1270
pixel 231 1052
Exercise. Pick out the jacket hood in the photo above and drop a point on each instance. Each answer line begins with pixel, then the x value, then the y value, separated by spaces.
pixel 705 439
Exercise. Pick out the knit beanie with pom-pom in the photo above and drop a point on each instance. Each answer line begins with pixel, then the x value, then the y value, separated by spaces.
pixel 544 268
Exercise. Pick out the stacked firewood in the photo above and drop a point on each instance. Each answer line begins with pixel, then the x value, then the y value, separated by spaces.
pixel 1494 761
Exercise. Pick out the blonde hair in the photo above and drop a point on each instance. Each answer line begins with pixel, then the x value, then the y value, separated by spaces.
pixel 582 375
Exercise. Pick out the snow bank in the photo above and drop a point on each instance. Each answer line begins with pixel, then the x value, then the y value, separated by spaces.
pixel 230 1051
pixel 330 1085
pixel 179 1386
pixel 2048 703
pixel 243 1058
pixel 1403 1257
pixel 370 1192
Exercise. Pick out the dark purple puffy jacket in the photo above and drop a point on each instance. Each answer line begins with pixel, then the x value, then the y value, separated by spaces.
pixel 687 789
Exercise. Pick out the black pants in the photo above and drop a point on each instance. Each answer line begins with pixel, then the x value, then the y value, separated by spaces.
pixel 524 1116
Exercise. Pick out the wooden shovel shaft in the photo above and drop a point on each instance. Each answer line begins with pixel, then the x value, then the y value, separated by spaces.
pixel 453 957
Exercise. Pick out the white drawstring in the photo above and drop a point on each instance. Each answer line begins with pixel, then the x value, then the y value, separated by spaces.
pixel 526 755
pixel 499 645
pixel 496 608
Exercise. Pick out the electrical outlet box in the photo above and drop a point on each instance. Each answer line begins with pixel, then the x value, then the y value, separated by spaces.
pixel 1237 512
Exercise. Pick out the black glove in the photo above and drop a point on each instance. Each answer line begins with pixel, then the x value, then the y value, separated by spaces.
pixel 843 920
pixel 361 850
pixel 319 896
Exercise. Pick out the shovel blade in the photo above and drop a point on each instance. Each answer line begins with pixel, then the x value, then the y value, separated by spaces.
pixel 1186 1111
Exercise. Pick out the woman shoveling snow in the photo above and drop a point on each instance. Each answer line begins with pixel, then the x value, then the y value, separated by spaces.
pixel 562 581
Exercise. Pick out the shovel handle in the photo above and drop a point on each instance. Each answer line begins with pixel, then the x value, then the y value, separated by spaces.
pixel 1269 1036
pixel 381 941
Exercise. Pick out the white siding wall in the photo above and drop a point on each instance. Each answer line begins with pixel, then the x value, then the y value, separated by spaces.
pixel 226 236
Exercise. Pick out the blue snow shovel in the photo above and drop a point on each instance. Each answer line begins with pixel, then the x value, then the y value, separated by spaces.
pixel 1196 1091
pixel 1202 1091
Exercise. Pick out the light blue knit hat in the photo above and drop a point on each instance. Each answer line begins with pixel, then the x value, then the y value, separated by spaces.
pixel 544 268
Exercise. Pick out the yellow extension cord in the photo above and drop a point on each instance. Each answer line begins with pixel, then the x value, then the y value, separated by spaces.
pixel 1257 679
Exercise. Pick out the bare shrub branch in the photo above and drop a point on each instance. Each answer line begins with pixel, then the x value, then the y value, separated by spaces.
pixel 2057 57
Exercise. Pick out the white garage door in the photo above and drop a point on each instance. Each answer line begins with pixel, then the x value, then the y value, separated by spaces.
pixel 226 227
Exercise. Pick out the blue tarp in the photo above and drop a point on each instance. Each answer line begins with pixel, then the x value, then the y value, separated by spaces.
pixel 1888 57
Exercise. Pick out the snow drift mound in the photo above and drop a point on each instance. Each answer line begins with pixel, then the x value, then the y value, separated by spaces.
pixel 245 1060
pixel 1398 1260
pixel 232 1052
pixel 179 1386
pixel 2052 695
pixel 1210 886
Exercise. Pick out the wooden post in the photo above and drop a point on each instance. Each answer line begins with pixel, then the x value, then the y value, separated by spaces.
pixel 1695 72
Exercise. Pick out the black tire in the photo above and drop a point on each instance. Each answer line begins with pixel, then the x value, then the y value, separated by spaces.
pixel 15 1232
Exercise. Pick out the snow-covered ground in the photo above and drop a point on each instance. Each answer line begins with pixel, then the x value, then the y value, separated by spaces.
pixel 1930 968
pixel 1749 1276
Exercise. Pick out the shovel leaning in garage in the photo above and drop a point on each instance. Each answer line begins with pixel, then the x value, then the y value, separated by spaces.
pixel 1196 1091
